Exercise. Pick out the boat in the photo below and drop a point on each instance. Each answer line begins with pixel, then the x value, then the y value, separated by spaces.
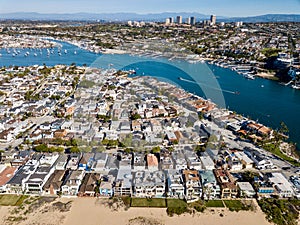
pixel 296 86
pixel 75 53
pixel 249 76
pixel 35 54
pixel 66 51
pixel 132 71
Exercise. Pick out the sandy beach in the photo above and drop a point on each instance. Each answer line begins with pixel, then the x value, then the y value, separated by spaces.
pixel 92 211
pixel 270 76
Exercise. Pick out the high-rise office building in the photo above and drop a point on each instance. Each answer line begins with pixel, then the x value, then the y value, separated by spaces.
pixel 193 20
pixel 171 20
pixel 179 19
pixel 188 20
pixel 167 21
pixel 213 19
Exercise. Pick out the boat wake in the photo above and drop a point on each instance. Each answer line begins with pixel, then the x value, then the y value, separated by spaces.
pixel 202 84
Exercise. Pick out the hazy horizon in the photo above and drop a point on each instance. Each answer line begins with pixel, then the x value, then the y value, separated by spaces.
pixel 229 8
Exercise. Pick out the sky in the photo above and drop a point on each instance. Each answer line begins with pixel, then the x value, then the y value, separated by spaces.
pixel 228 8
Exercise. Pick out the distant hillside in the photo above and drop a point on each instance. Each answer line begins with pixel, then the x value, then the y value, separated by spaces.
pixel 159 17
pixel 100 16
pixel 266 18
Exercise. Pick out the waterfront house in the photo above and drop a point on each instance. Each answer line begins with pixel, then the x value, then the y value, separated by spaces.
pixel 53 184
pixel 72 183
pixel 90 185
pixel 210 187
pixel 175 184
pixel 149 184
pixel 123 183
pixel 106 185
pixel 283 187
pixel 6 173
pixel 246 189
pixel 227 183
pixel 192 183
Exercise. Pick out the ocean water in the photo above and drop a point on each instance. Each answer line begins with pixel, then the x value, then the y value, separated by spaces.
pixel 263 100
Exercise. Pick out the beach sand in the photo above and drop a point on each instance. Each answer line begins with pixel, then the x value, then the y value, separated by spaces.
pixel 270 76
pixel 92 211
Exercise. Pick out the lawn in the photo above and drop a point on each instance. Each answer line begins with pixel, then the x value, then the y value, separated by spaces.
pixel 152 202
pixel 176 203
pixel 214 203
pixel 12 200
pixel 234 205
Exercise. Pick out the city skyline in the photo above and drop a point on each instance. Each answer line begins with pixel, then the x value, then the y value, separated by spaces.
pixel 230 8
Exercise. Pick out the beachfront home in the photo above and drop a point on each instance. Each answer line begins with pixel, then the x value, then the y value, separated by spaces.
pixel 149 184
pixel 72 183
pixel 90 185
pixel 227 183
pixel 282 186
pixel 175 184
pixel 53 184
pixel 106 185
pixel 246 189
pixel 210 187
pixel 192 183
pixel 123 183
pixel 6 173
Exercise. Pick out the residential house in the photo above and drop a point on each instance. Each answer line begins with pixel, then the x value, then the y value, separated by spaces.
pixel 73 161
pixel 5 175
pixel 72 183
pixel 89 185
pixel 152 162
pixel 139 162
pixel 166 160
pixel 54 183
pixel 106 185
pixel 86 161
pixel 149 184
pixel 210 187
pixel 193 189
pixel 123 183
pixel 282 186
pixel 246 189
pixel 175 184
pixel 227 183
pixel 207 163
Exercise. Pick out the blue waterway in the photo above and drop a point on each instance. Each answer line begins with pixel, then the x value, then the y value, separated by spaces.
pixel 260 99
